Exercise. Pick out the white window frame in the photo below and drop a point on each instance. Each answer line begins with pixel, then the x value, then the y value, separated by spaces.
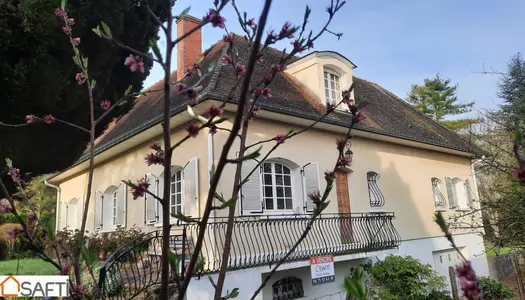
pixel 114 208
pixel 327 80
pixel 274 186
pixel 438 195
pixel 461 194
pixel 174 192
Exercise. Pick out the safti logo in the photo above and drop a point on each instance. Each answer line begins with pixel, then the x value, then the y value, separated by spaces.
pixel 34 286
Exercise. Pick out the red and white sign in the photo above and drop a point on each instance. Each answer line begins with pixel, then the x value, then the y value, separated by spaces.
pixel 322 268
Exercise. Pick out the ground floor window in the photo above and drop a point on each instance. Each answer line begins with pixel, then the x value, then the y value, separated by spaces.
pixel 288 288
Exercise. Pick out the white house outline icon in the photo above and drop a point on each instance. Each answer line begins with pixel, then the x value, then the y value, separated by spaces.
pixel 10 287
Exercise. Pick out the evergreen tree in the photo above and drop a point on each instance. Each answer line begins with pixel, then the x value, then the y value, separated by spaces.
pixel 512 91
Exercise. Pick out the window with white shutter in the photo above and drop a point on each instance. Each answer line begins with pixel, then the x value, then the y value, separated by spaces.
pixel 276 187
pixel 471 197
pixel 150 210
pixel 451 193
pixel 63 215
pixel 73 208
pixel 310 179
pixel 176 192
pixel 191 188
pixel 98 210
pixel 457 193
pixel 120 220
pixel 251 194
pixel 439 199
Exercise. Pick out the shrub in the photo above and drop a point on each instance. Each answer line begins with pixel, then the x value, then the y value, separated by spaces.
pixel 9 245
pixel 109 242
pixel 494 290
pixel 406 278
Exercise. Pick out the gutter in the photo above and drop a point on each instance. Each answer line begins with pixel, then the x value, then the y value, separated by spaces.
pixel 57 210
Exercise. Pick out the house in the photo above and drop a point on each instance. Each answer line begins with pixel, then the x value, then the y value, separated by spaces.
pixel 9 287
pixel 405 168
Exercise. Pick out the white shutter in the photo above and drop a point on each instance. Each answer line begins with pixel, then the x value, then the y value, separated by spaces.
pixel 470 194
pixel 98 210
pixel 161 195
pixel 121 205
pixel 310 174
pixel 191 188
pixel 80 212
pixel 63 215
pixel 451 193
pixel 251 194
pixel 150 214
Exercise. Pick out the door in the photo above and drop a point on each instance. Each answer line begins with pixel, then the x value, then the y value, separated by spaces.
pixel 343 206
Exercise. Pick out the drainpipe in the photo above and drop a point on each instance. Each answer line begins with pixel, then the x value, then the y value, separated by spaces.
pixel 57 211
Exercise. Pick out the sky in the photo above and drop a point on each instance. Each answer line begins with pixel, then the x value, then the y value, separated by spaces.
pixel 397 43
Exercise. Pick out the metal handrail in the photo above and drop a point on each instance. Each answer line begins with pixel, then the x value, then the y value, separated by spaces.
pixel 256 241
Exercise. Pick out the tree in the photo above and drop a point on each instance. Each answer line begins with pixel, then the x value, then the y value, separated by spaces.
pixel 437 99
pixel 37 74
pixel 512 91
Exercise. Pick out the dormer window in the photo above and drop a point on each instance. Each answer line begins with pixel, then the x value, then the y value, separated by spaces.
pixel 332 87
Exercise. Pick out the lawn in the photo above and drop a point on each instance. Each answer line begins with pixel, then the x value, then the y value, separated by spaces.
pixel 26 266
pixel 491 250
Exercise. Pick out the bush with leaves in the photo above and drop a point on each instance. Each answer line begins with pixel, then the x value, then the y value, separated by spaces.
pixel 405 278
pixel 108 242
pixel 494 290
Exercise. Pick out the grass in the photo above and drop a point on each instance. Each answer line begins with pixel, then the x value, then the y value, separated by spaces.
pixel 26 266
pixel 491 250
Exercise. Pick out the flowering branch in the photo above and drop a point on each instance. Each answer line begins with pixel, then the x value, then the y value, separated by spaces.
pixel 30 119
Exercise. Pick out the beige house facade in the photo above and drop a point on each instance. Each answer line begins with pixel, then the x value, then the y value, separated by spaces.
pixel 405 168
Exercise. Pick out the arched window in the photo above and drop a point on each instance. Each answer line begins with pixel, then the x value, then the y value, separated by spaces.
pixel 288 288
pixel 456 192
pixel 276 186
pixel 176 192
pixel 332 86
pixel 110 208
pixel 439 199
pixel 375 196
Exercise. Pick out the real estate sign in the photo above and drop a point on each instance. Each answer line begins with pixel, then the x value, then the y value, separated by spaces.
pixel 322 268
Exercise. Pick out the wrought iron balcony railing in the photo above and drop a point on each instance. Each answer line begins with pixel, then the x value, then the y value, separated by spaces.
pixel 256 241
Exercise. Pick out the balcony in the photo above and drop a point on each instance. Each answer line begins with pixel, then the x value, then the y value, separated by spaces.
pixel 256 241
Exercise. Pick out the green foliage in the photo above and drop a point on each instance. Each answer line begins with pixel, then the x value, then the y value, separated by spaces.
pixel 108 242
pixel 512 91
pixel 437 99
pixel 38 73
pixel 42 197
pixel 405 278
pixel 356 284
pixel 494 290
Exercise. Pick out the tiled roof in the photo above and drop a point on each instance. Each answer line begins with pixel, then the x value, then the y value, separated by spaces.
pixel 386 113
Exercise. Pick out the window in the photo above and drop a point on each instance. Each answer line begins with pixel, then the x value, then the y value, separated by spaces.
pixel 374 193
pixel 288 288
pixel 176 192
pixel 114 205
pixel 439 199
pixel 470 194
pixel 277 186
pixel 457 193
pixel 332 87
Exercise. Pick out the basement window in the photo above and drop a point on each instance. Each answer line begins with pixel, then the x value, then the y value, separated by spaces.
pixel 288 288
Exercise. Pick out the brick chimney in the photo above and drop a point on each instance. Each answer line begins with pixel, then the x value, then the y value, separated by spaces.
pixel 189 48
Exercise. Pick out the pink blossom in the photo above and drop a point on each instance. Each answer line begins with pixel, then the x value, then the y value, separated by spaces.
pixel 31 118
pixel 240 68
pixel 154 158
pixel 134 63
pixel 228 38
pixel 155 146
pixel 330 107
pixel 271 35
pixel 11 233
pixel 75 41
pixel 215 18
pixel 468 281
pixel 70 21
pixel 315 197
pixel 193 129
pixel 358 117
pixel 267 79
pixel 280 138
pixel 49 119
pixel 251 22
pixel 58 11
pixel 140 188
pixel 79 291
pixel 286 31
pixel 189 72
pixel 226 59
pixel 66 29
pixel 264 92
pixel 299 47
pixel 105 104
pixel 520 175
pixel 329 175
pixel 80 78
pixel 341 143
pixel 179 87
pixel 64 270
pixel 5 206
pixel 277 67
pixel 14 173
pixel 215 111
